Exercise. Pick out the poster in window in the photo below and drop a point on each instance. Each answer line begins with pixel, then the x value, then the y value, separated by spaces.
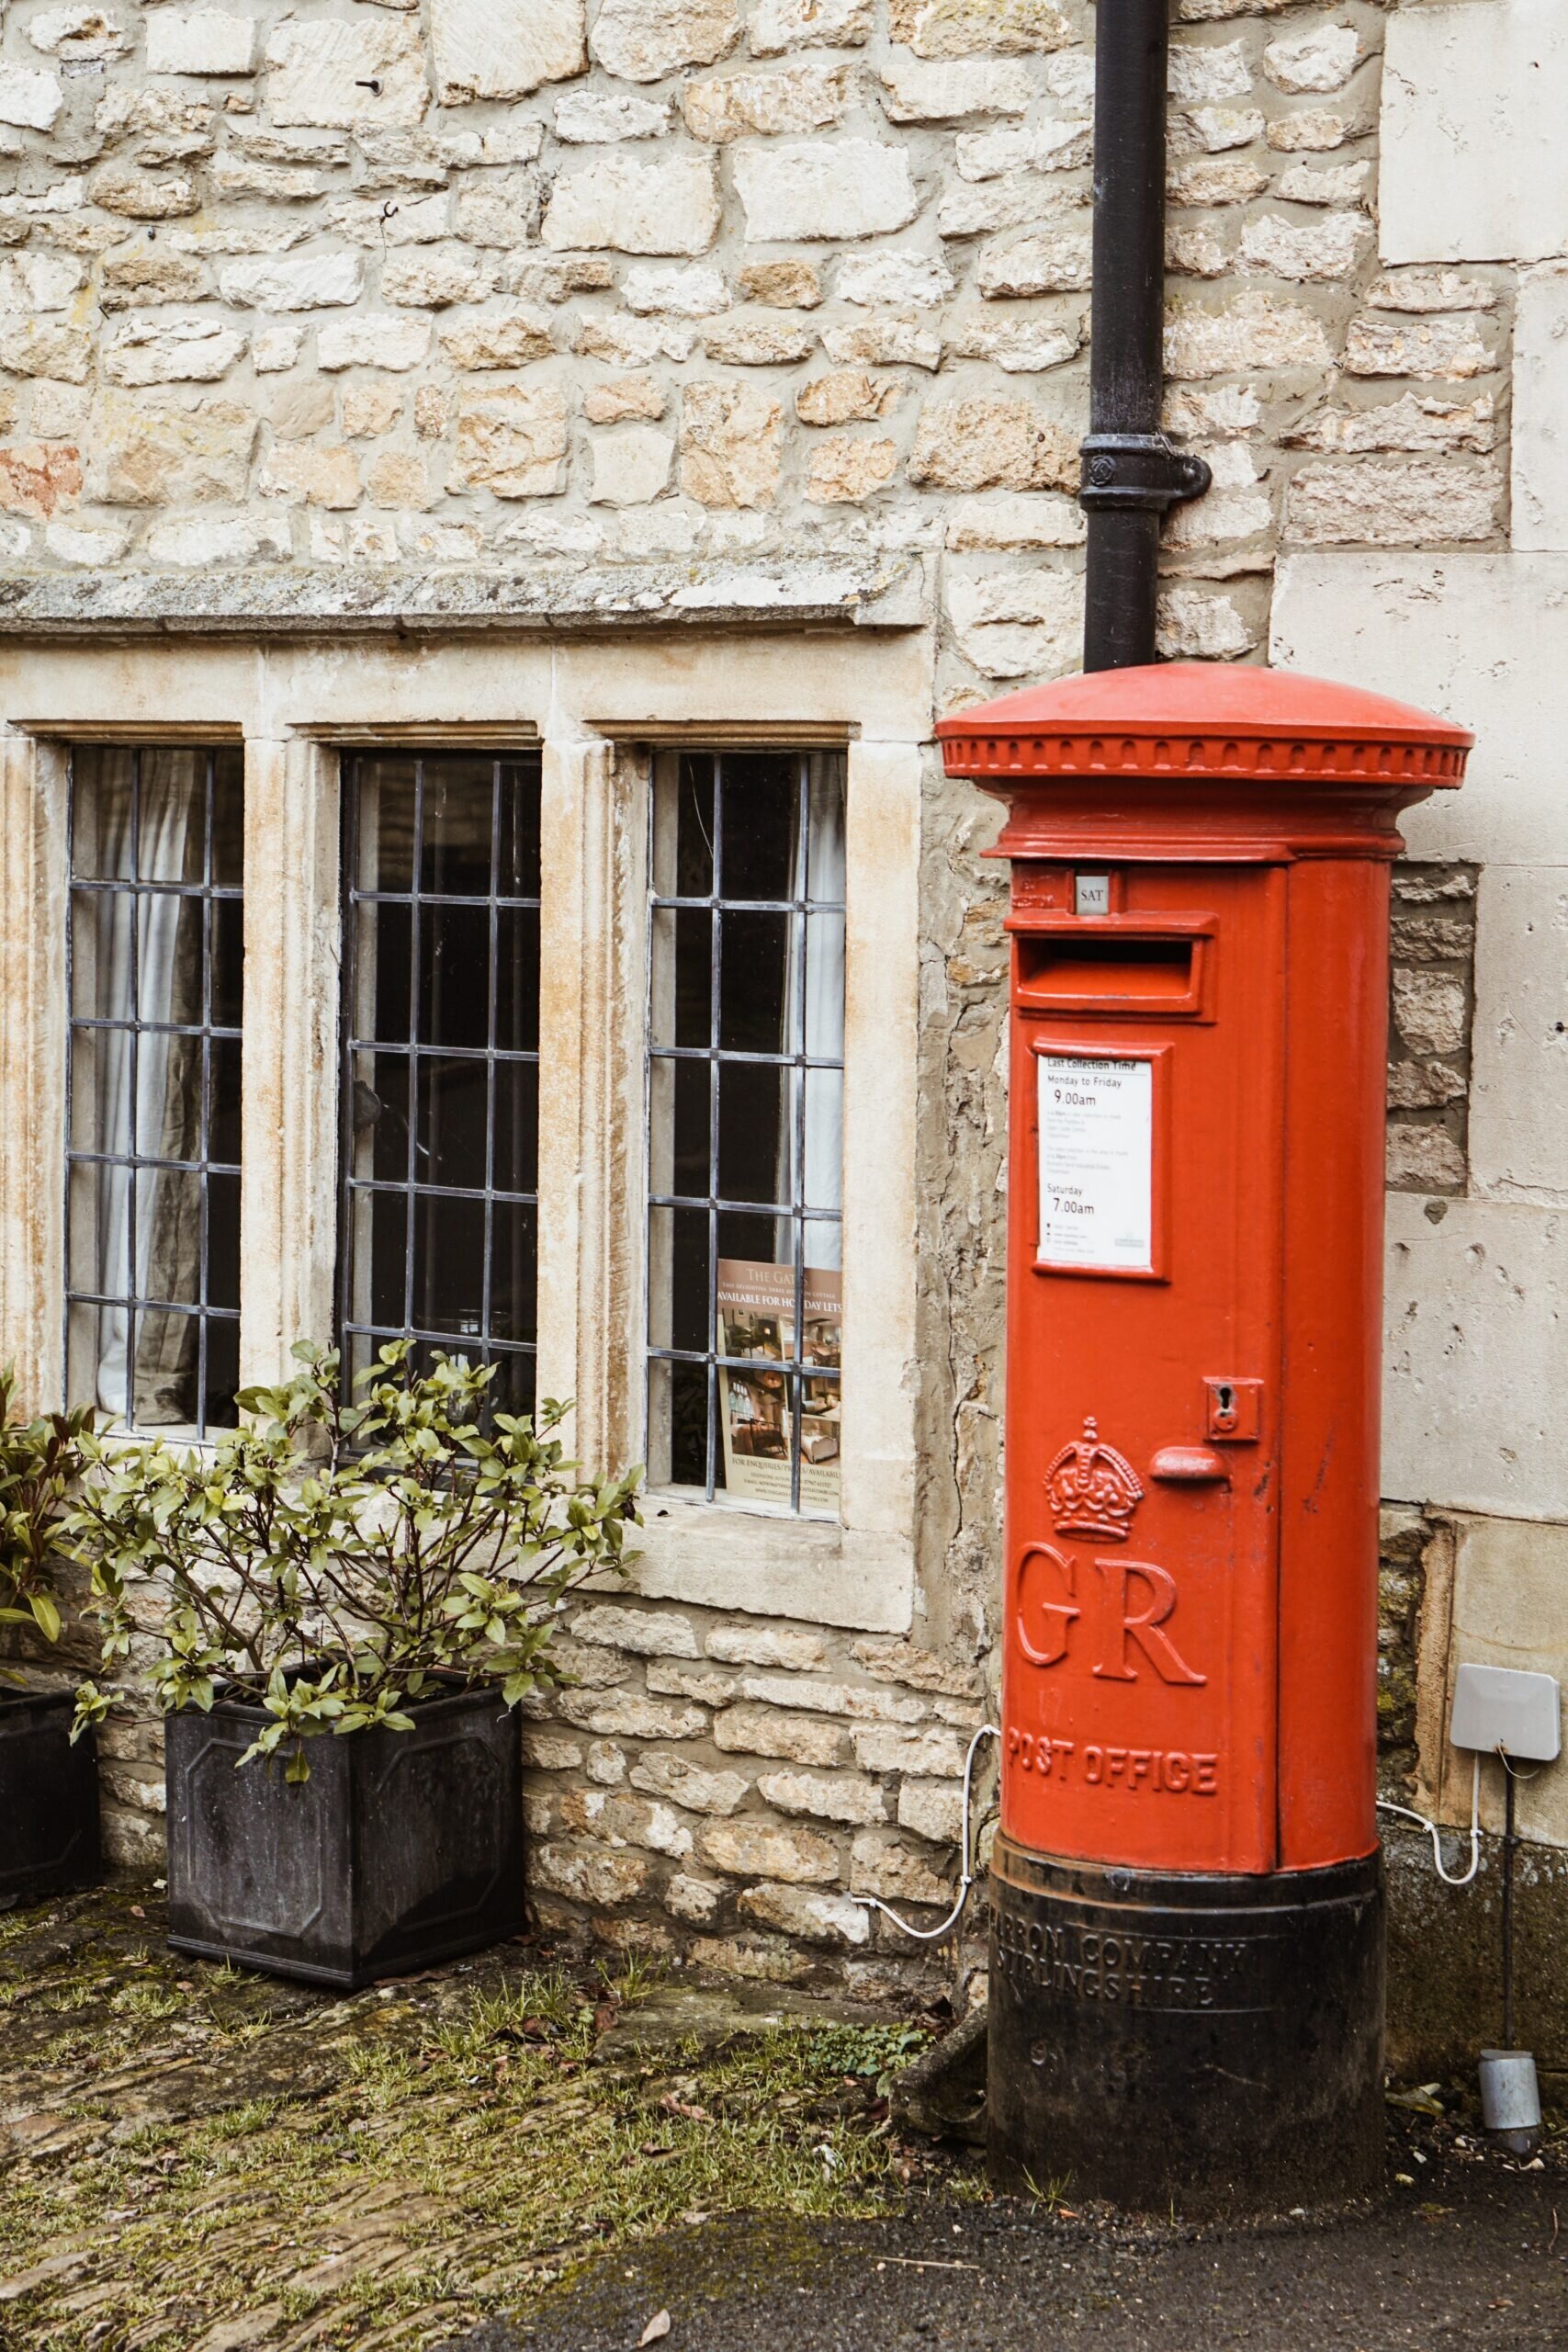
pixel 756 1319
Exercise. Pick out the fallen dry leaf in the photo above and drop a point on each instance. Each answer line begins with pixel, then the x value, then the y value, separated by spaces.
pixel 658 2327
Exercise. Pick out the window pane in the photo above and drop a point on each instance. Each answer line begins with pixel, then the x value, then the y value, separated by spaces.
pixel 749 1108
pixel 449 1257
pixel 152 1249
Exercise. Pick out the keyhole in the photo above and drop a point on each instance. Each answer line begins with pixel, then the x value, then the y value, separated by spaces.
pixel 1223 1397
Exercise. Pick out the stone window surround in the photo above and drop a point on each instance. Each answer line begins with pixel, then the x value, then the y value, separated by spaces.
pixel 597 708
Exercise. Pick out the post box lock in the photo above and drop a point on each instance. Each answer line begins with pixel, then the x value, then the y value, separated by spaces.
pixel 1235 1410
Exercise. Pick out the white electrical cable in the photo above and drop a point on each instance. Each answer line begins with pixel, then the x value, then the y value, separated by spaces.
pixel 1384 1806
pixel 931 1934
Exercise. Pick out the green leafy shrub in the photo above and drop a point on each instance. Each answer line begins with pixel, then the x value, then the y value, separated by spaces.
pixel 337 1563
pixel 40 1463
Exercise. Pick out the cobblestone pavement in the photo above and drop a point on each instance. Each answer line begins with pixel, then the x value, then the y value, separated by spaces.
pixel 529 2154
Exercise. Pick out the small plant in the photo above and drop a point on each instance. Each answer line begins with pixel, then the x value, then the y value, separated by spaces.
pixel 337 1563
pixel 39 1461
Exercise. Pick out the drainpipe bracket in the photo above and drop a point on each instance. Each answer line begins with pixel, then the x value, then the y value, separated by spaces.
pixel 1139 469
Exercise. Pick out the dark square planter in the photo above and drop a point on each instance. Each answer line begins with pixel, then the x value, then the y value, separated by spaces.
pixel 49 1800
pixel 401 1850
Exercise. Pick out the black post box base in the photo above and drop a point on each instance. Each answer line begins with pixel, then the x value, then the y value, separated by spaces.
pixel 403 1847
pixel 49 1800
pixel 1211 2045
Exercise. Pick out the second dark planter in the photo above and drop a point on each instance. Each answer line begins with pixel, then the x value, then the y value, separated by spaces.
pixel 401 1848
pixel 48 1799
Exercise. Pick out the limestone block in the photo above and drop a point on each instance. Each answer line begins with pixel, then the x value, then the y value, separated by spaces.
pixel 623 399
pixel 397 478
pixel 1233 508
pixel 147 454
pixel 623 341
pixel 1326 184
pixel 1056 261
pixel 200 40
pixel 915 92
pixel 504 49
pixel 843 396
pixel 730 438
pixel 911 280
pixel 1416 421
pixel 89 548
pixel 1315 131
pixel 431 281
pixel 813 1918
pixel 1429 289
pixel 1199 75
pixel 633 1821
pixel 886 1748
pixel 1203 12
pixel 305 473
pixel 171 351
pixel 1250 332
pixel 896 1659
pixel 845 469
pixel 276 348
pixel 238 237
pixel 763 1731
pixel 372 339
pixel 299 408
pixel 228 178
pixel 82 33
pixel 552 281
pixel 693 292
pixel 1214 131
pixel 548 1751
pixel 962 28
pixel 696 1899
pixel 647 1633
pixel 1202 179
pixel 1476 1358
pixel 1510 1584
pixel 1424 1086
pixel 143 196
pixel 605 1764
pixel 1041 518
pixel 748 1849
pixel 821 188
pixel 1197 253
pixel 934 1809
pixel 28 349
pixel 1012 625
pixel 837 1797
pixel 631 467
pixel 642 41
pixel 1018 344
pixel 886 340
pixel 848 1699
pixel 28 98
pixel 1327 249
pixel 888 1866
pixel 1422 1159
pixel 588 1874
pixel 1017 200
pixel 613 1714
pixel 689 1785
pixel 37 281
pixel 502 214
pixel 314 281
pixel 507 338
pixel 1041 147
pixel 1194 626
pixel 37 477
pixel 1224 413
pixel 1429 1010
pixel 1321 57
pixel 319 72
pixel 1518 1115
pixel 752 340
pixel 600 117
pixel 1452 348
pixel 1473 166
pixel 1411 502
pixel 737 105
pixel 664 207
pixel 781 1646
pixel 781 25
pixel 985 442
pixel 788 285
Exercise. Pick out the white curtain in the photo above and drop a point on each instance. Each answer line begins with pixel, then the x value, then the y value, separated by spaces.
pixel 159 1245
pixel 819 867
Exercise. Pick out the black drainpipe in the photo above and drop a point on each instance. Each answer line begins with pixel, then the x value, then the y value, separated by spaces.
pixel 1130 473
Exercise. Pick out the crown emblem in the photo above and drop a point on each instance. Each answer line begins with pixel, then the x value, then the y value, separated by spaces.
pixel 1092 1489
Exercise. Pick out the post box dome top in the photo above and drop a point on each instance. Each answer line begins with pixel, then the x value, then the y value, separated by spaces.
pixel 1197 718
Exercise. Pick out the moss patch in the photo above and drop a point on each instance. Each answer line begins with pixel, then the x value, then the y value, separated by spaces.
pixel 200 2160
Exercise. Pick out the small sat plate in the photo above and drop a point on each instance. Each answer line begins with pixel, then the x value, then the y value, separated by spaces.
pixel 1091 894
pixel 1496 1706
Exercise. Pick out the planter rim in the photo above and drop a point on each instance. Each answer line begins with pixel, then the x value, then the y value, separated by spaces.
pixel 227 1702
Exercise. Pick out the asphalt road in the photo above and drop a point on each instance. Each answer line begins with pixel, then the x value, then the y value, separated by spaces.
pixel 1472 2254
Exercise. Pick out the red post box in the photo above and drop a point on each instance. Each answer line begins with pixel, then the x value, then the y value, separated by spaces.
pixel 1187 1915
